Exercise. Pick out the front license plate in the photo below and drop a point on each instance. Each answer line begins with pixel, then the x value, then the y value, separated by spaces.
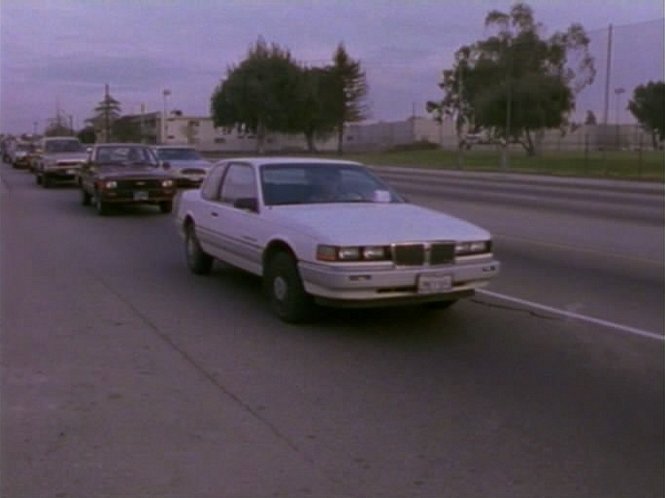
pixel 140 196
pixel 434 284
pixel 71 171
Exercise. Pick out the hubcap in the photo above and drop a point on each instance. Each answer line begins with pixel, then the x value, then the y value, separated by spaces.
pixel 279 288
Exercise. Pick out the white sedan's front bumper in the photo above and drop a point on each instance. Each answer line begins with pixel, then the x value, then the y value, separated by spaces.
pixel 372 285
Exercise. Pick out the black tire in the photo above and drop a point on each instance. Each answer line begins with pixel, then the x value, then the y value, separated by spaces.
pixel 38 179
pixel 85 198
pixel 440 305
pixel 287 296
pixel 46 182
pixel 101 206
pixel 166 206
pixel 198 262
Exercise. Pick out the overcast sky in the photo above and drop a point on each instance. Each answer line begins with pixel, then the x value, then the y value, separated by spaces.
pixel 62 52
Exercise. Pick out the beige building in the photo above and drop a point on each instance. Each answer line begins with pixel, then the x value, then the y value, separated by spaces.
pixel 199 131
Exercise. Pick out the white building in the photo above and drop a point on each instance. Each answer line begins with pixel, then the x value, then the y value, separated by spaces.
pixel 200 132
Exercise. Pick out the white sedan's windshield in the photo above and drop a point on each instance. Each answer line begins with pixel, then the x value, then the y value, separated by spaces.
pixel 322 183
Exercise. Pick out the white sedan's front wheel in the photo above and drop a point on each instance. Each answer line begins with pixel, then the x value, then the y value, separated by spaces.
pixel 286 293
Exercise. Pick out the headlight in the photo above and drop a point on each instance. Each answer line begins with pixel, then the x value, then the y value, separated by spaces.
pixel 374 252
pixel 473 247
pixel 351 253
pixel 348 253
pixel 167 183
pixel 111 184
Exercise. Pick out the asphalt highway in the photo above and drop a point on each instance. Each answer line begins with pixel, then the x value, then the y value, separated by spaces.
pixel 125 375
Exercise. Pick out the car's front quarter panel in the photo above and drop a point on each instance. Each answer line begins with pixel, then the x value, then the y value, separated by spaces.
pixel 382 281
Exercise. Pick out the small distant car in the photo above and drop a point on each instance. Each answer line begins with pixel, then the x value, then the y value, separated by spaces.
pixel 117 174
pixel 188 166
pixel 58 159
pixel 330 232
pixel 21 155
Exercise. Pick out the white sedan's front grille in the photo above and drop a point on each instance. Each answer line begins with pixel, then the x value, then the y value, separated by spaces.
pixel 420 254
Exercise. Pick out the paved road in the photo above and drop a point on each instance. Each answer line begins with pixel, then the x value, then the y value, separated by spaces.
pixel 123 375
pixel 592 247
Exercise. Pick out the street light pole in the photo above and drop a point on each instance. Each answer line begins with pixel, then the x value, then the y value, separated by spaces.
pixel 165 94
pixel 618 92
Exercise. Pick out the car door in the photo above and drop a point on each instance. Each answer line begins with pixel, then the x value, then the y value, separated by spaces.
pixel 234 225
pixel 204 209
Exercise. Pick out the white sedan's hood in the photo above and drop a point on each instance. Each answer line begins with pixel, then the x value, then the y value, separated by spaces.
pixel 376 224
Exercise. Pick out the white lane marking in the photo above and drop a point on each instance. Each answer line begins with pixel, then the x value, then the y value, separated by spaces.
pixel 575 316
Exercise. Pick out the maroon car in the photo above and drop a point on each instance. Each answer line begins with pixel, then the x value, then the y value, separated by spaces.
pixel 125 174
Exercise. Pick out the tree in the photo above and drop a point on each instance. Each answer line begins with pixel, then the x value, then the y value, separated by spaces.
pixel 87 135
pixel 106 112
pixel 648 107
pixel 125 129
pixel 59 125
pixel 516 83
pixel 347 93
pixel 57 128
pixel 260 94
pixel 316 116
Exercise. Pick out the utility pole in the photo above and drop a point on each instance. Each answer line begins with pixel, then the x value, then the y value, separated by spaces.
pixel 107 124
pixel 608 72
pixel 165 93
pixel 461 142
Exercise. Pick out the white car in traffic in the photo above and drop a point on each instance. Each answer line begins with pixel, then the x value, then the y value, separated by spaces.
pixel 330 232
pixel 186 164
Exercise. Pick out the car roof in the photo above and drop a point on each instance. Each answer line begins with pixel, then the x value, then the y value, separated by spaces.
pixel 48 139
pixel 174 147
pixel 265 160
pixel 120 144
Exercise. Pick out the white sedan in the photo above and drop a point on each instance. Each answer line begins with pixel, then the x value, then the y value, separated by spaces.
pixel 332 233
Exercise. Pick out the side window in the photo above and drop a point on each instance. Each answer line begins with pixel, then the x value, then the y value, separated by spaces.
pixel 210 187
pixel 239 183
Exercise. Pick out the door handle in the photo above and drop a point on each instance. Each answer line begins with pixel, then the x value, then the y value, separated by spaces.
pixel 214 214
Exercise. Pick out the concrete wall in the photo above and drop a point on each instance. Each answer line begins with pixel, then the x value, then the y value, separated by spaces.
pixel 200 132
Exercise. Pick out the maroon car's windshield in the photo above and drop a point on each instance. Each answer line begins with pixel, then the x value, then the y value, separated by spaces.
pixel 125 155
